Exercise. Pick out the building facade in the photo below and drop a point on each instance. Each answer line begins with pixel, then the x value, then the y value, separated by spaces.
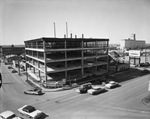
pixel 132 43
pixel 66 58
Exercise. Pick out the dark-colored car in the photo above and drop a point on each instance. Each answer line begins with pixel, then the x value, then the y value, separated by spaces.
pixel 9 67
pixel 84 88
pixel 34 91
pixel 146 64
pixel 81 90
pixel 13 71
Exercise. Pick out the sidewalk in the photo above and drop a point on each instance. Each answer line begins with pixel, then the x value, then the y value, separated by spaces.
pixel 32 82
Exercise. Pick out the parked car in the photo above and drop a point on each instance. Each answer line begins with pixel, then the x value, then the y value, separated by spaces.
pixel 83 88
pixel 34 91
pixel 30 111
pixel 146 64
pixel 13 71
pixel 9 115
pixel 86 86
pixel 9 67
pixel 96 90
pixel 52 84
pixel 112 84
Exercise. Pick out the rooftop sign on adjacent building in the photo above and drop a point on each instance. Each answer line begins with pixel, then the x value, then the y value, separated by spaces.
pixel 134 53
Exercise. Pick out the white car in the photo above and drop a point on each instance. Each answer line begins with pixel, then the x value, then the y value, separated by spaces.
pixel 30 112
pixel 112 84
pixel 8 115
pixel 96 90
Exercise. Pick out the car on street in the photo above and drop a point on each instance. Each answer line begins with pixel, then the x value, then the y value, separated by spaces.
pixel 112 84
pixel 83 88
pixel 146 64
pixel 9 115
pixel 96 90
pixel 9 67
pixel 30 111
pixel 52 84
pixel 86 86
pixel 34 91
pixel 13 71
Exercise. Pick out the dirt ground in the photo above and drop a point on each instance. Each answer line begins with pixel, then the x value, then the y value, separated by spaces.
pixel 127 75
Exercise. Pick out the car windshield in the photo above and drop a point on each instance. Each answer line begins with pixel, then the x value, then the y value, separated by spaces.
pixel 12 116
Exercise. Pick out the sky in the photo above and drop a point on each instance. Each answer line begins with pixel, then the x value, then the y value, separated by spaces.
pixel 22 20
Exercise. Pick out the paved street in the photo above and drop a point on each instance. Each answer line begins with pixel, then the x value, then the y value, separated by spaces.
pixel 124 102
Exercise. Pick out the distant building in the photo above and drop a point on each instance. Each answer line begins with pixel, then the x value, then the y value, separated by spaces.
pixel 131 43
pixel 13 50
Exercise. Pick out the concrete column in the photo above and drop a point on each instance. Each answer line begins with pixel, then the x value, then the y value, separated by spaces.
pixel 18 65
pixel 82 60
pixel 26 68
pixel 33 67
pixel 45 62
pixel 96 54
pixel 39 70
pixel 107 57
pixel 65 61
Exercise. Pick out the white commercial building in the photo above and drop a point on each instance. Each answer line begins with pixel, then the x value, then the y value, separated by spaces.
pixel 131 43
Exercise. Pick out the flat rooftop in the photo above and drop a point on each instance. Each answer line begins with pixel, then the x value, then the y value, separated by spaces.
pixel 67 39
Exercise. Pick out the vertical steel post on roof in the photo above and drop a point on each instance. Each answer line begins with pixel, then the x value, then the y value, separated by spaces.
pixel 54 31
pixel 66 30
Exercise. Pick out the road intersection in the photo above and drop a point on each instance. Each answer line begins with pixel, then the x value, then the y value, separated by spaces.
pixel 124 102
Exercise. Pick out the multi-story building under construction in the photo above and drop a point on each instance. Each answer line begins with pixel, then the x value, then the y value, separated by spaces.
pixel 66 58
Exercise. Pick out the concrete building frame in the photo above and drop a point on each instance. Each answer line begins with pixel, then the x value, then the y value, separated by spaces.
pixel 66 58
